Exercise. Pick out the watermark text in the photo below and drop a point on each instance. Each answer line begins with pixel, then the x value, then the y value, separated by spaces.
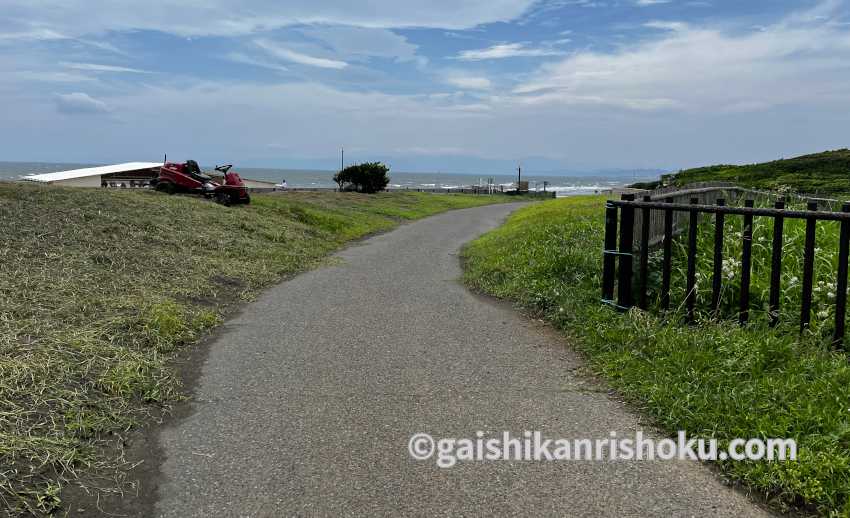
pixel 534 446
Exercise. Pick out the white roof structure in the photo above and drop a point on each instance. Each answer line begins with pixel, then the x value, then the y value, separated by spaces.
pixel 91 171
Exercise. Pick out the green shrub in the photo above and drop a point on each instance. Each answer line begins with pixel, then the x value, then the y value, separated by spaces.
pixel 369 177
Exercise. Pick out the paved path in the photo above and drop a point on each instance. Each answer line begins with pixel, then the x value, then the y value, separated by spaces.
pixel 307 400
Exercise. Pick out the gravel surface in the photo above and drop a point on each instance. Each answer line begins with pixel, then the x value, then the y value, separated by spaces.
pixel 306 402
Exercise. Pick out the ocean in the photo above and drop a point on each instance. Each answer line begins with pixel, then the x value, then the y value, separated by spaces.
pixel 564 185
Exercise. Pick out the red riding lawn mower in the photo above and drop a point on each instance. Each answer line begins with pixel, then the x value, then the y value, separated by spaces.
pixel 189 178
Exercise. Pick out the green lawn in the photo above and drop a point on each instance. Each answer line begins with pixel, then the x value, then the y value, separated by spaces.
pixel 826 174
pixel 101 288
pixel 712 380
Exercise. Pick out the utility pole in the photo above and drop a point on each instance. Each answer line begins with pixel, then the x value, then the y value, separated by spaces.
pixel 518 178
pixel 342 158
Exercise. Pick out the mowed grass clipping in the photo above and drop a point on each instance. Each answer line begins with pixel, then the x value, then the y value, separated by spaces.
pixel 713 380
pixel 100 288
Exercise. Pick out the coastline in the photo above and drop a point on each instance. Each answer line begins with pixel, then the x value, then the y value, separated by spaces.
pixel 564 185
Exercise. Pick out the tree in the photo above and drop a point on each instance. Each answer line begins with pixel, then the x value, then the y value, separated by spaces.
pixel 341 178
pixel 369 177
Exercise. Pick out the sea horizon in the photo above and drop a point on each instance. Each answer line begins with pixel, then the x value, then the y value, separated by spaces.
pixel 564 184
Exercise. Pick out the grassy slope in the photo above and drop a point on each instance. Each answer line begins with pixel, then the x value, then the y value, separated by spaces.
pixel 825 173
pixel 712 380
pixel 100 288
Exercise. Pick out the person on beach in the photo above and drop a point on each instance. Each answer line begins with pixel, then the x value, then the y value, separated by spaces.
pixel 282 186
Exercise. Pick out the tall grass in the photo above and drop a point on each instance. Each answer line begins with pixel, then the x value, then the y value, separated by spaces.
pixel 825 272
pixel 713 379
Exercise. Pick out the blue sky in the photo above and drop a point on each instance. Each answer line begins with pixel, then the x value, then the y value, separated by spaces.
pixel 465 86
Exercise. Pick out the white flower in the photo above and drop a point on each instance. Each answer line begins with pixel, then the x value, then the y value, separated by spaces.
pixel 823 314
pixel 830 295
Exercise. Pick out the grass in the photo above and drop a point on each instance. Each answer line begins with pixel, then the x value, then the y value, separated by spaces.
pixel 821 173
pixel 102 288
pixel 826 265
pixel 714 379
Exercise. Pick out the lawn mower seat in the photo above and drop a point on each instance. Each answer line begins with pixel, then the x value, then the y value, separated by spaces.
pixel 194 170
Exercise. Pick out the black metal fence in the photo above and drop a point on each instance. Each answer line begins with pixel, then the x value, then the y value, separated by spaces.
pixel 707 193
pixel 619 254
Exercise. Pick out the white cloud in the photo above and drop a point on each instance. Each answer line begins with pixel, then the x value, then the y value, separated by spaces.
pixel 33 35
pixel 39 34
pixel 79 102
pixel 233 17
pixel 644 3
pixel 50 76
pixel 94 67
pixel 683 96
pixel 297 57
pixel 666 26
pixel 801 60
pixel 238 57
pixel 505 50
pixel 467 82
pixel 362 42
pixel 319 118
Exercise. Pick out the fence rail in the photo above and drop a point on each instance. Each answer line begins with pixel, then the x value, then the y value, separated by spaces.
pixel 708 193
pixel 619 254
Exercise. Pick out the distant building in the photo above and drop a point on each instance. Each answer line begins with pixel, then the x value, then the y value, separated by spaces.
pixel 130 174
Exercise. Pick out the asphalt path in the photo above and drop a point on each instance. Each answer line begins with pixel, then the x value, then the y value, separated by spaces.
pixel 307 400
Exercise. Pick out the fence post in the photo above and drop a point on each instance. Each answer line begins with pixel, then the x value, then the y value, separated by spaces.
pixel 776 265
pixel 627 230
pixel 609 260
pixel 808 268
pixel 746 265
pixel 668 254
pixel 691 296
pixel 717 280
pixel 841 282
pixel 644 254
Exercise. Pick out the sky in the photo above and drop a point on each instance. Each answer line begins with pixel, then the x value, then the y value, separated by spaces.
pixel 425 85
